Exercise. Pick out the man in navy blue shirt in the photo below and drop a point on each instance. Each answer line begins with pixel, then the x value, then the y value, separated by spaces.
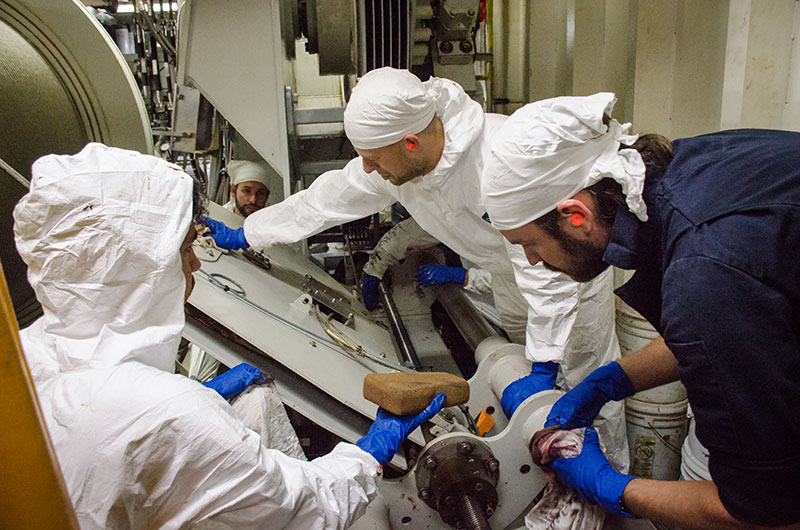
pixel 711 225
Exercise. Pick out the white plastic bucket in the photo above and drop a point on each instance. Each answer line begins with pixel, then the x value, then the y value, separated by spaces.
pixel 634 333
pixel 656 432
pixel 694 457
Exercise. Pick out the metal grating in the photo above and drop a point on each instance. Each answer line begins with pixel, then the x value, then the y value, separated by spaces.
pixel 385 34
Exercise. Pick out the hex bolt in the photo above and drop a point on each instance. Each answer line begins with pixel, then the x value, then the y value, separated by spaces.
pixel 493 465
pixel 446 46
pixel 465 46
pixel 424 494
pixel 464 448
pixel 449 500
pixel 489 511
pixel 429 463
pixel 479 487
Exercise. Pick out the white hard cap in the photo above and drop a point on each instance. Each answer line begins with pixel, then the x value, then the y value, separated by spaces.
pixel 386 105
pixel 247 171
pixel 549 150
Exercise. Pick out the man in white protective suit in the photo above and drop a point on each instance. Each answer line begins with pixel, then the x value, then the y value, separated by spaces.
pixel 107 236
pixel 423 145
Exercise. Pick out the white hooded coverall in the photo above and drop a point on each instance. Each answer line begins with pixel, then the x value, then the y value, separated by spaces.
pixel 567 322
pixel 139 446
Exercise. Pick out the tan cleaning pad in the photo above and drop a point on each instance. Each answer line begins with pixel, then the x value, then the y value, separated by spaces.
pixel 404 393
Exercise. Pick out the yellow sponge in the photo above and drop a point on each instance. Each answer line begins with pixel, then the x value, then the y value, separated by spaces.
pixel 404 393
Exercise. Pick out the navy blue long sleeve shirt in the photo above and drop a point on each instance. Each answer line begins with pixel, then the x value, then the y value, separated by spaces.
pixel 718 275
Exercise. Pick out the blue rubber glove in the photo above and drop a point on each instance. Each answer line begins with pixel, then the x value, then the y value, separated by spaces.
pixel 236 380
pixel 592 476
pixel 428 275
pixel 579 407
pixel 369 291
pixel 224 236
pixel 542 377
pixel 389 431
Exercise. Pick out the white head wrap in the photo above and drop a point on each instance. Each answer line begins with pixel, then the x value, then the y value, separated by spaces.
pixel 246 171
pixel 386 105
pixel 549 150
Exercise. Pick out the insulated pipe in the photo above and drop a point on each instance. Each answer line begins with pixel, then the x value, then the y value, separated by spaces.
pixel 470 323
pixel 400 335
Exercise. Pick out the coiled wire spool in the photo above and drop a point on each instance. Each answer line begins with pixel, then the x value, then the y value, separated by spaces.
pixel 63 83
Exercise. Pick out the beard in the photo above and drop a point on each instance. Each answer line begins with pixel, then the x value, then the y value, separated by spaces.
pixel 585 259
pixel 246 209
pixel 415 170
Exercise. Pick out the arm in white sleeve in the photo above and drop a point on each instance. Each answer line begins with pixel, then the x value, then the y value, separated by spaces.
pixel 235 480
pixel 395 245
pixel 335 197
pixel 552 307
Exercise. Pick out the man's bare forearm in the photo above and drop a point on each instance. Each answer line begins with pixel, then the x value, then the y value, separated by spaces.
pixel 652 366
pixel 687 504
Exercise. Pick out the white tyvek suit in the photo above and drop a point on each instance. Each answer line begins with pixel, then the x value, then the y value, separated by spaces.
pixel 139 446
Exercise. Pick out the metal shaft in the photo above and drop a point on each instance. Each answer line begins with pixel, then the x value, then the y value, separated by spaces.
pixel 402 340
pixel 471 514
pixel 470 323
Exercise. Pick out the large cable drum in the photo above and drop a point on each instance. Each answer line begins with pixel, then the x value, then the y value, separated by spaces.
pixel 63 83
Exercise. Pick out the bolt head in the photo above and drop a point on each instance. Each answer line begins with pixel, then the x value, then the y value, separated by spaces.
pixel 489 511
pixel 424 494
pixel 446 46
pixel 493 465
pixel 464 448
pixel 449 500
pixel 465 46
pixel 429 462
pixel 479 487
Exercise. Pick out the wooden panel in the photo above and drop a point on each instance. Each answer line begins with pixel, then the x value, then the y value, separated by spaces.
pixel 32 492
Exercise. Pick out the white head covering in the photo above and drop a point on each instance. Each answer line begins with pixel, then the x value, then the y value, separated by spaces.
pixel 101 233
pixel 247 171
pixel 386 105
pixel 549 150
